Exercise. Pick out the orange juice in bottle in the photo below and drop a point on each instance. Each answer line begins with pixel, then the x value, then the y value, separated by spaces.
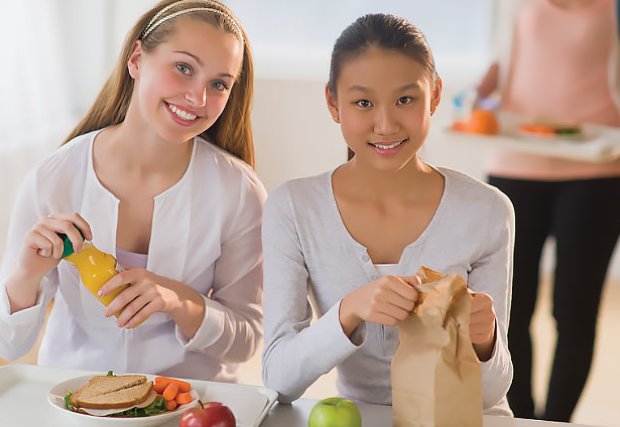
pixel 95 268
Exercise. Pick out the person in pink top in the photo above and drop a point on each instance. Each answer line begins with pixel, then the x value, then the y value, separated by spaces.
pixel 560 61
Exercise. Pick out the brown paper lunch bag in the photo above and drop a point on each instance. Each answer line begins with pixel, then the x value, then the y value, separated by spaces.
pixel 436 379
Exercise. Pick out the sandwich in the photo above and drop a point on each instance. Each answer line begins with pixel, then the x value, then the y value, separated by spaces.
pixel 116 395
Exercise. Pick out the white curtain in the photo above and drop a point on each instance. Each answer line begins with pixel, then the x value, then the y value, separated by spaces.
pixel 35 74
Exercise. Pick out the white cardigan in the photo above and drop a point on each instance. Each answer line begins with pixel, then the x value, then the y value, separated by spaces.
pixel 311 257
pixel 205 234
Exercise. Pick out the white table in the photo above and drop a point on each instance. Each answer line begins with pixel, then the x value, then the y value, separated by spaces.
pixel 24 389
pixel 296 415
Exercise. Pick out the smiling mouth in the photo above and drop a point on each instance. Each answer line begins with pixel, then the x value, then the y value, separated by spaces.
pixel 180 113
pixel 387 146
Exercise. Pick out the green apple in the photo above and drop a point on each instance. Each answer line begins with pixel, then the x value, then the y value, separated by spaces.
pixel 335 412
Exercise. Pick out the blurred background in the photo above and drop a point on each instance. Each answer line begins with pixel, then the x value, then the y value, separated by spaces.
pixel 57 54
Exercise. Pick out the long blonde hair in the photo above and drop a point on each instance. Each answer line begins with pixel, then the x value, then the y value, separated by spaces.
pixel 232 131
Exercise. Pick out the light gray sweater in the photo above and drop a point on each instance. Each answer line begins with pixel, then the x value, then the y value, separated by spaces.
pixel 309 257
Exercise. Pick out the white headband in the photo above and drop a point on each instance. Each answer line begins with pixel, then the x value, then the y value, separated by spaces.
pixel 154 22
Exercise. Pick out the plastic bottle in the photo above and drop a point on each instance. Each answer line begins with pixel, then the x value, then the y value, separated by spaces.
pixel 95 268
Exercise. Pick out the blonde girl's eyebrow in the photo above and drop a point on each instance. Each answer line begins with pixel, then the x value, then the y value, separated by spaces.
pixel 197 59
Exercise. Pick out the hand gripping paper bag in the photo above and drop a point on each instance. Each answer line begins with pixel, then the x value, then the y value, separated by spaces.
pixel 436 380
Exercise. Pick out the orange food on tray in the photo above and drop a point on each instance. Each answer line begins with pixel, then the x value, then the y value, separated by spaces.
pixel 537 129
pixel 480 122
pixel 550 130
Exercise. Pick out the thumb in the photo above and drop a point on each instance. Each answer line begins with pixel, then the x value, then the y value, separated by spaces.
pixel 413 281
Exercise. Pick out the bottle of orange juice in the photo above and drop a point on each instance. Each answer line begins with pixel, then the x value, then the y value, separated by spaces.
pixel 95 268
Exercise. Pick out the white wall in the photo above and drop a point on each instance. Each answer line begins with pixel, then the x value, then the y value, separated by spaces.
pixel 294 134
pixel 295 137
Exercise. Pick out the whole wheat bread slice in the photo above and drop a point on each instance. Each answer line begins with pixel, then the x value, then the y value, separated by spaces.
pixel 104 384
pixel 119 399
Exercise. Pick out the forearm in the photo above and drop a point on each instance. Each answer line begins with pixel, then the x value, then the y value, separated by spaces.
pixel 489 82
pixel 189 309
pixel 22 291
pixel 348 319
pixel 484 350
pixel 293 360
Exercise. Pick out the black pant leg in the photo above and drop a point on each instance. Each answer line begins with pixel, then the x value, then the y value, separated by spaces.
pixel 532 202
pixel 586 227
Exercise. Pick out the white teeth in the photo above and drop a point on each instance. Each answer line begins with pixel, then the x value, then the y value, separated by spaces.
pixel 387 147
pixel 182 114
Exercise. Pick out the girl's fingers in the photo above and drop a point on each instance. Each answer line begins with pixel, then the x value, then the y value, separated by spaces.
pixel 40 243
pixel 56 248
pixel 76 219
pixel 403 290
pixel 122 299
pixel 143 314
pixel 132 311
pixel 413 281
pixel 66 226
pixel 396 300
pixel 126 277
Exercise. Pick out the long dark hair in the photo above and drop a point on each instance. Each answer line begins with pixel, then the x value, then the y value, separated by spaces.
pixel 232 131
pixel 385 32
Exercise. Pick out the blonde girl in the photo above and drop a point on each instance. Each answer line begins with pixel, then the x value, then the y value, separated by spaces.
pixel 160 173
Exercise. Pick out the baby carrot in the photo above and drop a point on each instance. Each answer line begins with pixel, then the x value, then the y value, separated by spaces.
pixel 164 381
pixel 171 405
pixel 183 398
pixel 159 387
pixel 171 391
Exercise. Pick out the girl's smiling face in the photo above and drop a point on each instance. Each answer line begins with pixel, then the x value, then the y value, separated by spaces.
pixel 182 86
pixel 383 101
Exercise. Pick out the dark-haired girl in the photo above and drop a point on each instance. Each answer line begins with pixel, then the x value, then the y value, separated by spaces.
pixel 346 244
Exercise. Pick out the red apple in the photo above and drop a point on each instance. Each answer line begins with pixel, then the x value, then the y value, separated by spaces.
pixel 210 414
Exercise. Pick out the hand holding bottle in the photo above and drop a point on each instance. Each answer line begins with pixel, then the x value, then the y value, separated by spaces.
pixel 42 250
pixel 143 294
pixel 43 247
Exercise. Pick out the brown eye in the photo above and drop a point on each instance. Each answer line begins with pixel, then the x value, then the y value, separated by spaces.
pixel 404 100
pixel 363 103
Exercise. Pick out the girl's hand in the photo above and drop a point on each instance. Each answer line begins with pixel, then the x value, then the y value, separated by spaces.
pixel 144 296
pixel 149 293
pixel 482 325
pixel 43 247
pixel 387 301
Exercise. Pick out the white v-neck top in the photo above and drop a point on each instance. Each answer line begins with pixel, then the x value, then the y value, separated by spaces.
pixel 311 257
pixel 205 233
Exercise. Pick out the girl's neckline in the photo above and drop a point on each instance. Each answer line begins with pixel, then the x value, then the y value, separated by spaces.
pixel 91 168
pixel 347 236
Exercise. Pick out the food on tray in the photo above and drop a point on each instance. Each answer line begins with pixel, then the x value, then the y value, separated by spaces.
pixel 129 396
pixel 335 411
pixel 116 395
pixel 210 414
pixel 175 392
pixel 480 122
pixel 550 130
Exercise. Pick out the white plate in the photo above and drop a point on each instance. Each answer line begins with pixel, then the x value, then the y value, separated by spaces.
pixel 56 398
